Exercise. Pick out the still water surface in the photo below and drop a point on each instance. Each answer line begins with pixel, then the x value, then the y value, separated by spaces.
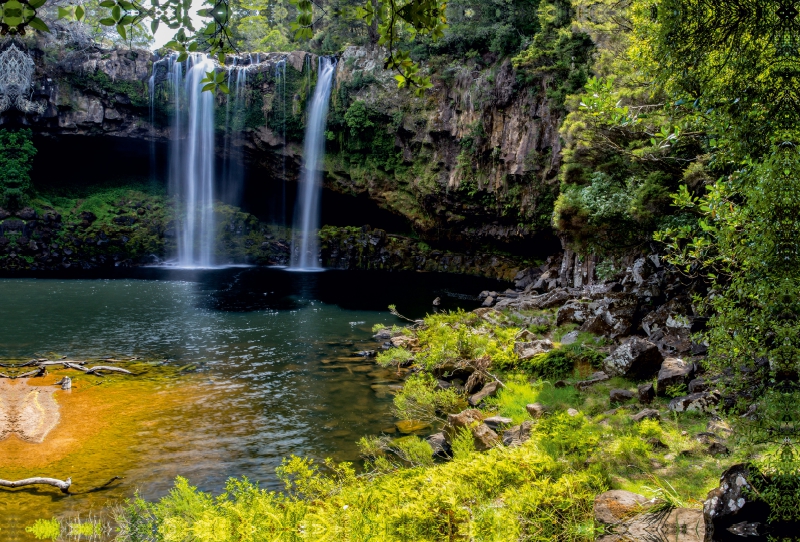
pixel 271 373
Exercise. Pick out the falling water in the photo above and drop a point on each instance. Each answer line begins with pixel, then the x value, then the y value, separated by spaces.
pixel 305 244
pixel 280 84
pixel 192 163
pixel 233 172
pixel 151 94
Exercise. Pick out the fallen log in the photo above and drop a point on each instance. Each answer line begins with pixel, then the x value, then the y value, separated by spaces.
pixel 63 485
pixel 93 370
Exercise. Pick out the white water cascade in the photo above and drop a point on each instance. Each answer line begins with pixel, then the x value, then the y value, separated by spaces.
pixel 192 162
pixel 305 245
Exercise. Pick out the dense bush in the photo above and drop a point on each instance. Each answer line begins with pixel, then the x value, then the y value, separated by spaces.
pixel 16 153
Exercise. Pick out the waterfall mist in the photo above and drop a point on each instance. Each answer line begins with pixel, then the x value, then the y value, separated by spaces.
pixel 305 244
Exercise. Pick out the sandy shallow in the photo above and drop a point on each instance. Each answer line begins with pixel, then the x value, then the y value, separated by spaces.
pixel 27 412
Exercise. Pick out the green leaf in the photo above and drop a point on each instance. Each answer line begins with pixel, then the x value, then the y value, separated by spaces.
pixel 36 4
pixel 122 32
pixel 116 13
pixel 37 24
pixel 107 22
pixel 210 86
pixel 154 26
pixel 79 13
pixel 224 88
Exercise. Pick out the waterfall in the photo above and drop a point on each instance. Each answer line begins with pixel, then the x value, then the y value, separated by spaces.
pixel 151 94
pixel 280 86
pixel 305 245
pixel 192 162
pixel 233 170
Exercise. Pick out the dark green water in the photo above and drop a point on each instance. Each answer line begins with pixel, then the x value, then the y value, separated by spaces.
pixel 275 372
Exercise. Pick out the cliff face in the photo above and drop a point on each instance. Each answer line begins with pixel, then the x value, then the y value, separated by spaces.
pixel 472 162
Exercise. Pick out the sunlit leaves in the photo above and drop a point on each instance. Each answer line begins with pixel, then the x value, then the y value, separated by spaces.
pixel 214 81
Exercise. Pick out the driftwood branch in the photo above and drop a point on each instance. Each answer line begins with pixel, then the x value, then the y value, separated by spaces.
pixel 41 364
pixel 93 370
pixel 63 485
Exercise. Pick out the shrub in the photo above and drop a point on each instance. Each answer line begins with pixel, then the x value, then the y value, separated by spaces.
pixel 420 399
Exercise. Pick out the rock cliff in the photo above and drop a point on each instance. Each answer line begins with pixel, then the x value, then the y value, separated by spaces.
pixel 473 161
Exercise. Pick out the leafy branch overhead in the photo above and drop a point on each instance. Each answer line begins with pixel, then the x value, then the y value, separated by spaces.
pixel 398 23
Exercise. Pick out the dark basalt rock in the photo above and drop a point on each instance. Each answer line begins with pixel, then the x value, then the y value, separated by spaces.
pixel 729 505
pixel 636 358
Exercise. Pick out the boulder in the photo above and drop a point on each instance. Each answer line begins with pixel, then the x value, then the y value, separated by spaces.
pixel 527 350
pixel 646 393
pixel 517 434
pixel 698 385
pixel 676 311
pixel 484 437
pixel 465 418
pixel 728 505
pixel 616 506
pixel 636 358
pixel 620 396
pixel 572 412
pixel 536 410
pixel 612 315
pixel 570 338
pixel 402 340
pixel 439 444
pixel 488 390
pixel 673 372
pixel 701 402
pixel 642 269
pixel 488 302
pixel 646 414
pixel 574 312
pixel 719 427
pixel 495 422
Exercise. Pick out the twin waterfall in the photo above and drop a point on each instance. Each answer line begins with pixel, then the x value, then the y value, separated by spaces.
pixel 305 244
pixel 193 171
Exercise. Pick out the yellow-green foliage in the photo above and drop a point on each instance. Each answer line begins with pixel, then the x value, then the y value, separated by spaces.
pixel 45 529
pixel 421 400
pixel 505 494
pixel 454 336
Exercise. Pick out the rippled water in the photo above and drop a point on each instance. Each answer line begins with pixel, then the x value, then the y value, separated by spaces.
pixel 275 375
